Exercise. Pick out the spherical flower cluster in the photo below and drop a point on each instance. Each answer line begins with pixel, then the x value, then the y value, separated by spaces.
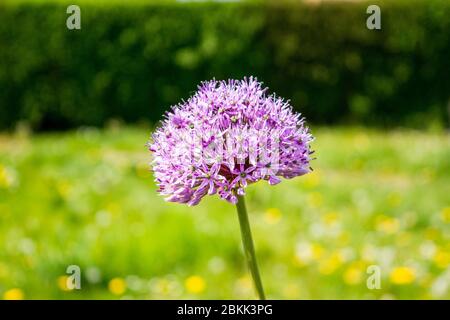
pixel 227 135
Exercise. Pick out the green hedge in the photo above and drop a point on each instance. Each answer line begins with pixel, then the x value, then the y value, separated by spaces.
pixel 133 61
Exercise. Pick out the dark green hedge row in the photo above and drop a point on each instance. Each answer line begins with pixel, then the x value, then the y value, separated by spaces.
pixel 133 61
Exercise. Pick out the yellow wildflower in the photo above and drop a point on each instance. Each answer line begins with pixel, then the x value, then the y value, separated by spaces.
pixel 312 180
pixel 330 218
pixel 431 233
pixel 291 291
pixel 272 215
pixel 195 284
pixel 354 273
pixel 62 283
pixel 63 188
pixel 307 252
pixel 315 199
pixel 6 177
pixel 442 259
pixel 117 286
pixel 387 224
pixel 445 215
pixel 14 294
pixel 402 275
pixel 394 199
pixel 330 264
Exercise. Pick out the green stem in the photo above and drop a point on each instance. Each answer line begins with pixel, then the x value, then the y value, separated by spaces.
pixel 249 249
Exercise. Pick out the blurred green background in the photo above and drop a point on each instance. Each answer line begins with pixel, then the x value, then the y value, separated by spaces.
pixel 77 107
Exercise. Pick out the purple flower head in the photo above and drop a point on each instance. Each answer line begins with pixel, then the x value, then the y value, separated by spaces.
pixel 228 135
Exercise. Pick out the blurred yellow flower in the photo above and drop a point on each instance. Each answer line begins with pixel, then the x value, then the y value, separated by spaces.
pixel 330 264
pixel 3 270
pixel 317 251
pixel 361 141
pixel 243 287
pixel 403 275
pixel 387 224
pixel 330 218
pixel 403 239
pixel 431 233
pixel 14 294
pixel 425 296
pixel 113 207
pixel 62 283
pixel 307 252
pixel 445 215
pixel 426 281
pixel 352 276
pixel 315 199
pixel 163 286
pixel 344 238
pixel 117 286
pixel 312 180
pixel 354 273
pixel 63 189
pixel 245 282
pixel 195 284
pixel 159 287
pixel 394 199
pixel 291 291
pixel 442 259
pixel 6 177
pixel 272 215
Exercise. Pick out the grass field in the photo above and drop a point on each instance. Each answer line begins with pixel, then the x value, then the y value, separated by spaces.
pixel 87 198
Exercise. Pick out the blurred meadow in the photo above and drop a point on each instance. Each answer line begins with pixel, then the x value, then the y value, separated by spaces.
pixel 86 197
pixel 78 106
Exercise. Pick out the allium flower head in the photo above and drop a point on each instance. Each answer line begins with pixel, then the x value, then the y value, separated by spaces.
pixel 228 135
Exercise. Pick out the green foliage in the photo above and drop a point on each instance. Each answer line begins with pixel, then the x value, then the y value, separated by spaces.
pixel 132 61
pixel 88 198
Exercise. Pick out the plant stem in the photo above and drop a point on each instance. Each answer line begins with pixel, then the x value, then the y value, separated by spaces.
pixel 249 249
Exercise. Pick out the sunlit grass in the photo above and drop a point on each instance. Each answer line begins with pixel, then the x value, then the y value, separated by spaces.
pixel 87 198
